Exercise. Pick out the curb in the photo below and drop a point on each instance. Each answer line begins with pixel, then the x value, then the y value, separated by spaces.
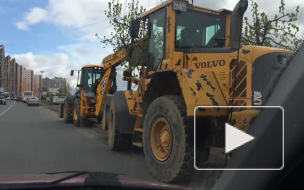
pixel 53 109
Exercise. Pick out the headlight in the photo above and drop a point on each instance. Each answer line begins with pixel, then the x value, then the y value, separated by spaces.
pixel 88 94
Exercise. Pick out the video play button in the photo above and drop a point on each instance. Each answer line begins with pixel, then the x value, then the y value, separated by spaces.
pixel 235 138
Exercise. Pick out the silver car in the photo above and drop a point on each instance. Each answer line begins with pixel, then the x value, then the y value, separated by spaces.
pixel 2 100
pixel 33 101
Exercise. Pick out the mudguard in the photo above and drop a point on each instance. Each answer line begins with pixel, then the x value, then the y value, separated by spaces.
pixel 125 121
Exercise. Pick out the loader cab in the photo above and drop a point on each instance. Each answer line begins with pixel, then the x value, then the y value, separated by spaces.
pixel 177 26
pixel 89 77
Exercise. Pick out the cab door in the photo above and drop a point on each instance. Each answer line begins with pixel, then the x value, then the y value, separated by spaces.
pixel 157 35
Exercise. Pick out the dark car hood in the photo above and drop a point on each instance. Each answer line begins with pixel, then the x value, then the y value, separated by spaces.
pixel 100 179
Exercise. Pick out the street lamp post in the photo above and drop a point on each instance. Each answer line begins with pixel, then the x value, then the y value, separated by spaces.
pixel 41 84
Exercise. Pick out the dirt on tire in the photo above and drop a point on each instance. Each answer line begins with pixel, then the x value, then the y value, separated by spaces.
pixel 178 167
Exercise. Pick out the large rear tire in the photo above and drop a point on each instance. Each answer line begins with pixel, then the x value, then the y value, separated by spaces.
pixel 68 110
pixel 76 113
pixel 168 140
pixel 117 140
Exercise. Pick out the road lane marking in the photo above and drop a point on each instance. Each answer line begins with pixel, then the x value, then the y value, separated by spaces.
pixel 7 109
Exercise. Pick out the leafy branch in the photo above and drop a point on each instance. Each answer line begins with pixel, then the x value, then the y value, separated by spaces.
pixel 120 16
pixel 280 31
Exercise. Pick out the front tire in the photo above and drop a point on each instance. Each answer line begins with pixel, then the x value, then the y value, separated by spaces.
pixel 168 140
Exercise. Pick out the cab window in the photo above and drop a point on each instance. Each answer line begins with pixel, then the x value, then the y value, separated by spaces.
pixel 204 30
pixel 156 39
pixel 87 81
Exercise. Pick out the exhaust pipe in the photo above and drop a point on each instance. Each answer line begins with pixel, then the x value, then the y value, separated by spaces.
pixel 237 23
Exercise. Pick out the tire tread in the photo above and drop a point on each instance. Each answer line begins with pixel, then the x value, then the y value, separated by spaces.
pixel 186 170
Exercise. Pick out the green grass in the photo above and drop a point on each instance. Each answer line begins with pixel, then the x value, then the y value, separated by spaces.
pixel 48 102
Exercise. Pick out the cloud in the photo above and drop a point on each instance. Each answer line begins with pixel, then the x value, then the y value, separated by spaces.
pixel 83 15
pixel 36 15
pixel 22 25
pixel 76 50
pixel 53 65
pixel 60 64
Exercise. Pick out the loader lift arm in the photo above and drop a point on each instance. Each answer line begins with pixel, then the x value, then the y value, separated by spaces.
pixel 107 85
pixel 114 59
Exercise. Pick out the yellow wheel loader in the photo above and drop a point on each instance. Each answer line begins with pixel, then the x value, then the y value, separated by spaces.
pixel 93 84
pixel 194 59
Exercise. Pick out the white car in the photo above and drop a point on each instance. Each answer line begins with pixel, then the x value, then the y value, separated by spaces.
pixel 33 101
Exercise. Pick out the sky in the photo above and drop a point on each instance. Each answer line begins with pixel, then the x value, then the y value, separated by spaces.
pixel 56 36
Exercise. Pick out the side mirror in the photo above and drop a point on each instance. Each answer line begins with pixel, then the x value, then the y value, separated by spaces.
pixel 72 72
pixel 127 73
pixel 134 29
pixel 78 85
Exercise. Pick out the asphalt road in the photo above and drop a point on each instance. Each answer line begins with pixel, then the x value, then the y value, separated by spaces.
pixel 34 140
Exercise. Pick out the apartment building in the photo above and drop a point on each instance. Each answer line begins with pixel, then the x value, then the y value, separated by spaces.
pixel 27 80
pixel 7 71
pixel 18 83
pixel 37 84
pixel 20 79
pixel 2 57
pixel 56 82
pixel 13 77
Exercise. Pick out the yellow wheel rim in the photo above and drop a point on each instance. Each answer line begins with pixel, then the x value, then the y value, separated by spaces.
pixel 75 113
pixel 161 139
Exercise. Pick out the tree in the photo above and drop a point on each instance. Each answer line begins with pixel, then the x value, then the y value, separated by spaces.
pixel 280 31
pixel 64 91
pixel 120 17
pixel 68 89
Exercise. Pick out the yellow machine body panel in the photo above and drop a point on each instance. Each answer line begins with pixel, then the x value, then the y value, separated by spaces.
pixel 215 71
pixel 132 101
pixel 201 88
pixel 90 66
pixel 102 89
pixel 243 119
